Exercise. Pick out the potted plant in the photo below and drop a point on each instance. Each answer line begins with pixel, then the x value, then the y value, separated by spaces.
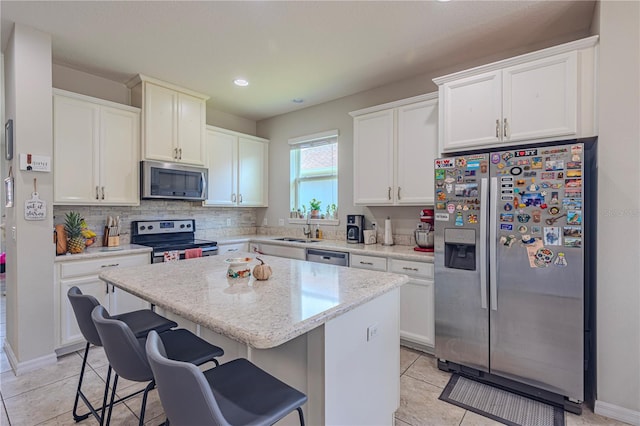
pixel 315 208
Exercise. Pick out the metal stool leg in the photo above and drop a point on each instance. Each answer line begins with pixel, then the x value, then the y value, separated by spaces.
pixel 301 416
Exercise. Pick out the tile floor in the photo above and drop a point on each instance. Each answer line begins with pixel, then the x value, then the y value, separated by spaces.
pixel 45 396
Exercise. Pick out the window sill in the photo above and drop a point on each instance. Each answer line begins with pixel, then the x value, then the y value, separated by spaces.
pixel 332 222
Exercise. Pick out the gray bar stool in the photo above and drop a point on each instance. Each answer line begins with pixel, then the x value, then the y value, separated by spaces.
pixel 140 322
pixel 235 393
pixel 126 352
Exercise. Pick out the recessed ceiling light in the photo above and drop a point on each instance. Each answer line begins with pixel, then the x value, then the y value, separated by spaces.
pixel 443 1
pixel 240 82
pixel 297 100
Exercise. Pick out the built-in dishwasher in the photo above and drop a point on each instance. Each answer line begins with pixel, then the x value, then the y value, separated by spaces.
pixel 327 256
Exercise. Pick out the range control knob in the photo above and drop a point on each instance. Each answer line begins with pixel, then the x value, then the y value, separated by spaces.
pixel 150 227
pixel 142 227
pixel 188 225
pixel 182 226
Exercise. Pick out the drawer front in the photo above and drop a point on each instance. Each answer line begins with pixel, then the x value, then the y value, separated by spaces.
pixel 94 266
pixel 369 262
pixel 416 269
pixel 232 248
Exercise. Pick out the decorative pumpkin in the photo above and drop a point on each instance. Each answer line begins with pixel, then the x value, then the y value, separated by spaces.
pixel 262 271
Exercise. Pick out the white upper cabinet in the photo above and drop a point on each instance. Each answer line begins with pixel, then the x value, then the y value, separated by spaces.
pixel 238 169
pixel 99 141
pixel 394 148
pixel 537 97
pixel 173 121
pixel 373 136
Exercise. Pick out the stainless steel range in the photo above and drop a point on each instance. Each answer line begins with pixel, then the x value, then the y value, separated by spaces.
pixel 171 236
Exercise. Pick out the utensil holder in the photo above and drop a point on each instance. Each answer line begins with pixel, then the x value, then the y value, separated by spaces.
pixel 113 241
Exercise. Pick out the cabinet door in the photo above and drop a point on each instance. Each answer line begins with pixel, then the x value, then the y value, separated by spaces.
pixel 119 147
pixel 88 284
pixel 76 125
pixel 540 98
pixel 252 172
pixel 417 148
pixel 222 161
pixel 121 301
pixel 191 125
pixel 160 123
pixel 417 312
pixel 373 158
pixel 471 111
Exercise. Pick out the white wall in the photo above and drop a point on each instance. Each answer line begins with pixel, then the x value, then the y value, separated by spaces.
pixel 88 84
pixel 618 316
pixel 30 333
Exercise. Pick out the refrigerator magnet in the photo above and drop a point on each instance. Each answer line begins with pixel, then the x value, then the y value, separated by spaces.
pixel 495 158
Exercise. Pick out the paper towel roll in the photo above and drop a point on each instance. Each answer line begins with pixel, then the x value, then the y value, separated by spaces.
pixel 388 236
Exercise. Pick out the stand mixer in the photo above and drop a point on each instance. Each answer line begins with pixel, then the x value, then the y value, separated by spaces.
pixel 425 232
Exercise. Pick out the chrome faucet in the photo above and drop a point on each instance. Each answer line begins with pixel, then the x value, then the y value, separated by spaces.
pixel 307 228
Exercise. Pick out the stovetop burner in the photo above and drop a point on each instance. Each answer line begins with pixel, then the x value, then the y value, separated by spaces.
pixel 167 235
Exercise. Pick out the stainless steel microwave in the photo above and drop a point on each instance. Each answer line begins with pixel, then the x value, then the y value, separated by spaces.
pixel 172 181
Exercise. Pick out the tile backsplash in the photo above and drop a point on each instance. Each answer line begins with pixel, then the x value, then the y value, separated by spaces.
pixel 211 222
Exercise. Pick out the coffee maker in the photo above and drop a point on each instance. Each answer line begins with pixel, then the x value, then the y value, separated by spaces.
pixel 355 228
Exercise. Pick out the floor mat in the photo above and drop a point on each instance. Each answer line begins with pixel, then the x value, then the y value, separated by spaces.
pixel 500 405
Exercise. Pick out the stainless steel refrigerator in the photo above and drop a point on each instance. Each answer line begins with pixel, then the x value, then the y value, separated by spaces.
pixel 514 267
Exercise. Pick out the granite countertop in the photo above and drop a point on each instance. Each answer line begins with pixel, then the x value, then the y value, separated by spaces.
pixel 97 252
pixel 297 298
pixel 395 251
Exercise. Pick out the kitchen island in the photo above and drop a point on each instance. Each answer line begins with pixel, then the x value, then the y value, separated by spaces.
pixel 331 332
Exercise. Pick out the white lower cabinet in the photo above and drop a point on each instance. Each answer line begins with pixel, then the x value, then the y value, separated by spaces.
pixel 417 324
pixel 229 249
pixel 368 262
pixel 84 275
pixel 278 250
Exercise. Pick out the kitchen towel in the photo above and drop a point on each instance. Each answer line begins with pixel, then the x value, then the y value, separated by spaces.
pixel 388 236
pixel 192 252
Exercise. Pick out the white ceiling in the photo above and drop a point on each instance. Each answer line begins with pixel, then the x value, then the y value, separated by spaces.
pixel 314 50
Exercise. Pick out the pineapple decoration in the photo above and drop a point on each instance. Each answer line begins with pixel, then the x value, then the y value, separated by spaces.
pixel 73 227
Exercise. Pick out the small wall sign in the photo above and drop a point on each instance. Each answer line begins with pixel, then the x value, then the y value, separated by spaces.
pixel 35 208
pixel 35 163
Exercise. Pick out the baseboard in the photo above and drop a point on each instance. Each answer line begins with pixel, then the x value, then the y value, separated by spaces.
pixel 618 413
pixel 26 366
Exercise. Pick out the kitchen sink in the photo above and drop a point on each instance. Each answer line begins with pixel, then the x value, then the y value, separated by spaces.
pixel 296 240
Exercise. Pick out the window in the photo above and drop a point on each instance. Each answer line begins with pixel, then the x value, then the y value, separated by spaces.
pixel 314 174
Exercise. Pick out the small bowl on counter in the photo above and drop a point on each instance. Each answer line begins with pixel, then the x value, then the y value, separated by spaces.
pixel 238 267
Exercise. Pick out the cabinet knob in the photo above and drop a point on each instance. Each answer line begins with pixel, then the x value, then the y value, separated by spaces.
pixel 97 192
pixel 180 154
pixel 399 193
pixel 389 193
pixel 240 198
pixel 366 263
pixel 103 192
pixel 498 128
pixel 506 129
pixel 233 197
pixel 175 153
pixel 410 269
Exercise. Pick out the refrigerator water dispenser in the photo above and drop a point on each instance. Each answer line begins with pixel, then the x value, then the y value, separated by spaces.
pixel 460 249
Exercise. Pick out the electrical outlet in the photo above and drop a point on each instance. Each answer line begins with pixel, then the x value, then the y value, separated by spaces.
pixel 280 222
pixel 265 222
pixel 372 332
pixel 374 225
pixel 228 222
